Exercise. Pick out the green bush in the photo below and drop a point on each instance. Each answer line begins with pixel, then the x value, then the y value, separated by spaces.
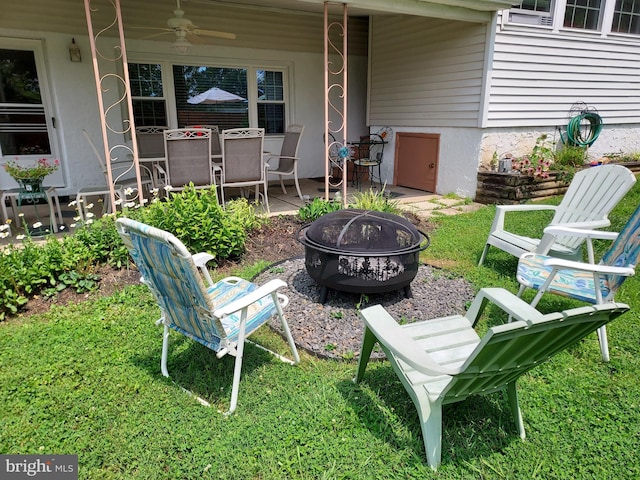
pixel 194 216
pixel 376 201
pixel 200 222
pixel 570 156
pixel 318 207
pixel 367 200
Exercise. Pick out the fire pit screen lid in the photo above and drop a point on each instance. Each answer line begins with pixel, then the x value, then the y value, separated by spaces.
pixel 364 231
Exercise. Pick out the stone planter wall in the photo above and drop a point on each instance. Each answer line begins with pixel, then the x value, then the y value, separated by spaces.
pixel 509 188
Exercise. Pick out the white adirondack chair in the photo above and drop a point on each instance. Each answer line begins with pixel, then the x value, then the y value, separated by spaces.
pixel 443 360
pixel 590 198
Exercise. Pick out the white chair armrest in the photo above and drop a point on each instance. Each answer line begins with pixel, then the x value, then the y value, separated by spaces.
pixel 560 264
pixel 575 231
pixel 393 337
pixel 201 259
pixel 517 308
pixel 524 208
pixel 243 302
pixel 501 210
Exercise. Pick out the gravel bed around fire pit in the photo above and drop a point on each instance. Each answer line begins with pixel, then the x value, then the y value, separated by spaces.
pixel 334 330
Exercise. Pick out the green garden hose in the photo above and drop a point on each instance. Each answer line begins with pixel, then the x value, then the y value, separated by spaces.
pixel 575 135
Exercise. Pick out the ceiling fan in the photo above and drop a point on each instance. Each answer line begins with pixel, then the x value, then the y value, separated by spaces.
pixel 186 31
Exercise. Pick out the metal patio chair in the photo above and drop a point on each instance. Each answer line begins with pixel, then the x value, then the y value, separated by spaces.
pixel 287 158
pixel 243 161
pixel 188 158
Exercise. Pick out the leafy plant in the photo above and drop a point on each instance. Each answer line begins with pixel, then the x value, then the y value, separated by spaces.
pixel 192 215
pixel 316 208
pixel 80 282
pixel 40 169
pixel 200 222
pixel 375 200
pixel 537 163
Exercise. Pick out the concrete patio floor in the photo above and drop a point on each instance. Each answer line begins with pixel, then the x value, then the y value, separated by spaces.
pixel 421 203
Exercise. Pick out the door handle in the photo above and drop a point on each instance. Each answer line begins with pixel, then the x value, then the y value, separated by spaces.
pixel 432 165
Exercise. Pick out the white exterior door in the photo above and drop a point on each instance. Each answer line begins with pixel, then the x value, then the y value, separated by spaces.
pixel 26 124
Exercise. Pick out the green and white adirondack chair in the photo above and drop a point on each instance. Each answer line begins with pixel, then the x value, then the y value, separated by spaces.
pixel 591 196
pixel 443 360
pixel 218 315
pixel 578 279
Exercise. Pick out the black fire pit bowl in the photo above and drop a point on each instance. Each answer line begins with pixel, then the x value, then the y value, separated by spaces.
pixel 362 251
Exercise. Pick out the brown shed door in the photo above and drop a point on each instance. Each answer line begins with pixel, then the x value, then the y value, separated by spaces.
pixel 416 162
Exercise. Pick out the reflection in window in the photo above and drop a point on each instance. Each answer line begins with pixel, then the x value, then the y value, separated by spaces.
pixel 271 106
pixel 147 95
pixel 211 96
pixel 583 14
pixel 626 17
pixel 535 5
pixel 23 125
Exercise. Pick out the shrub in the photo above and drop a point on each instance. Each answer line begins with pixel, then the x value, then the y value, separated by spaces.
pixel 194 216
pixel 377 201
pixel 200 222
pixel 537 163
pixel 318 207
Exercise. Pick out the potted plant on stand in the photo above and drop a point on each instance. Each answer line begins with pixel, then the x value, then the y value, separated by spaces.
pixel 31 191
pixel 30 178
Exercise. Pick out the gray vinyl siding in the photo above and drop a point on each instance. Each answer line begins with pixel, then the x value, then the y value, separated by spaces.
pixel 426 72
pixel 537 76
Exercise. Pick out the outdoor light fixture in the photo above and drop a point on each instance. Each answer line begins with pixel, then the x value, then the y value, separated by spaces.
pixel 181 45
pixel 74 51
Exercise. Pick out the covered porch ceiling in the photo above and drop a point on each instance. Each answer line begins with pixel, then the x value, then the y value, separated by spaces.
pixel 67 16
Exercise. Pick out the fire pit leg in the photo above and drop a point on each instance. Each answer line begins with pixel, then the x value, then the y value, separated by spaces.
pixel 324 291
pixel 407 292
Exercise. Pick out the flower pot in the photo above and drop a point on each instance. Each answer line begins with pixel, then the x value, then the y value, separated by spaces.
pixel 31 185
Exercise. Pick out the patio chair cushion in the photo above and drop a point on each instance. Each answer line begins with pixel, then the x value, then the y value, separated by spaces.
pixel 532 273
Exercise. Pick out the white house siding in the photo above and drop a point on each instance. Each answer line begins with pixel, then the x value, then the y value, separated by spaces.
pixel 426 76
pixel 538 75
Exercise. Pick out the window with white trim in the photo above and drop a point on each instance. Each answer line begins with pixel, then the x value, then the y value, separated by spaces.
pixel 586 15
pixel 626 17
pixel 233 101
pixel 533 12
pixel 147 94
pixel 583 14
pixel 271 105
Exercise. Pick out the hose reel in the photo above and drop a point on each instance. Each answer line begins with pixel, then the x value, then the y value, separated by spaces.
pixel 584 126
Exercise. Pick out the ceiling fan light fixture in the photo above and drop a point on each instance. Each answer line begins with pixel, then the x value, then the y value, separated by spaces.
pixel 181 45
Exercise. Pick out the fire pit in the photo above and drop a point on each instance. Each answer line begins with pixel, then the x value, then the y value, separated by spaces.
pixel 362 251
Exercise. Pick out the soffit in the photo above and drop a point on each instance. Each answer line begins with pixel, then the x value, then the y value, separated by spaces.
pixel 268 23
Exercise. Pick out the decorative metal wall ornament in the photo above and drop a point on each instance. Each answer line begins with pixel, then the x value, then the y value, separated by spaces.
pixel 114 95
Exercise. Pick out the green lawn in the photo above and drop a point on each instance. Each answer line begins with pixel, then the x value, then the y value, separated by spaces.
pixel 86 380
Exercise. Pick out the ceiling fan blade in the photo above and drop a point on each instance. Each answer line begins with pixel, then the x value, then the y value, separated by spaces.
pixel 196 40
pixel 165 29
pixel 154 35
pixel 214 33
